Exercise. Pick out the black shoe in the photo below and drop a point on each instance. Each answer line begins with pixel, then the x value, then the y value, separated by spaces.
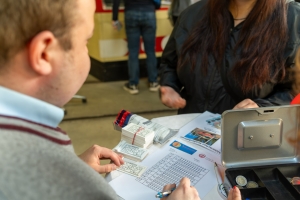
pixel 132 89
pixel 154 86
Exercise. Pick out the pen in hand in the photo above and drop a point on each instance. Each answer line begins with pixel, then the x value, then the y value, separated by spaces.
pixel 164 193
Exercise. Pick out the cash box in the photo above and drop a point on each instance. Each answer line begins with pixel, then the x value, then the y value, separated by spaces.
pixel 257 152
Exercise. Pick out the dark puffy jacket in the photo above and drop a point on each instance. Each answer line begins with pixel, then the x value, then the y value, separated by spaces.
pixel 207 93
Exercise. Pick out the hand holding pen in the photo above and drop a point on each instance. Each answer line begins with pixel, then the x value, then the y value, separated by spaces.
pixel 183 191
pixel 164 193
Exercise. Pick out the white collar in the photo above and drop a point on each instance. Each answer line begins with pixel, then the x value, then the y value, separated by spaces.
pixel 16 104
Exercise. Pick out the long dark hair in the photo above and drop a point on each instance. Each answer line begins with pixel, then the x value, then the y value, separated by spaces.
pixel 261 44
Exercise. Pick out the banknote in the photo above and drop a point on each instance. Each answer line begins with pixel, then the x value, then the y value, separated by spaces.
pixel 132 169
pixel 131 151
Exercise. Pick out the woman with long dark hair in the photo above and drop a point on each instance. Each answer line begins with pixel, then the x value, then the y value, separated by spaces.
pixel 225 54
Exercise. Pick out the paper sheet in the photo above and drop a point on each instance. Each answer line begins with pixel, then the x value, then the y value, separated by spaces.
pixel 168 165
pixel 177 159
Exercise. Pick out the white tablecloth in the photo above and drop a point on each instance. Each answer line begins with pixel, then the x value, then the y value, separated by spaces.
pixel 176 122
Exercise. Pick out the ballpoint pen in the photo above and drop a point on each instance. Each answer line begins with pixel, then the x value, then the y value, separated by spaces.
pixel 219 179
pixel 164 193
pixel 222 190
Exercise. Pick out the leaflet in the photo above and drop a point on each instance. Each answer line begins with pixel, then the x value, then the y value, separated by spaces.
pixel 204 131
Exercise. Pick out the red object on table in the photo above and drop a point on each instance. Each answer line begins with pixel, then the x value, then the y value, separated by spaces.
pixel 296 100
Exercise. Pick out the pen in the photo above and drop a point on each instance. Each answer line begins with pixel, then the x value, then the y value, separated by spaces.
pixel 164 193
pixel 219 179
pixel 221 187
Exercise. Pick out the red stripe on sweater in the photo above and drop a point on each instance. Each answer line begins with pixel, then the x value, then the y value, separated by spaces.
pixel 34 132
pixel 45 126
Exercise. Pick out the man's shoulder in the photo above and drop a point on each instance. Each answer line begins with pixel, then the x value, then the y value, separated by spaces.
pixel 35 168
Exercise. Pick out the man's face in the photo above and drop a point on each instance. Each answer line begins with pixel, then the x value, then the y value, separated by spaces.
pixel 72 67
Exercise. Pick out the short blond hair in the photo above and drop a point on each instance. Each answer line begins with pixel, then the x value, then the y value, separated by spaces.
pixel 22 20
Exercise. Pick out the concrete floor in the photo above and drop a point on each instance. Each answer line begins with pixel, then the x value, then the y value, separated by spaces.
pixel 91 123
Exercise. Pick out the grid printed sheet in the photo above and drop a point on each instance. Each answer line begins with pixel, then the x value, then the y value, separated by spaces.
pixel 171 169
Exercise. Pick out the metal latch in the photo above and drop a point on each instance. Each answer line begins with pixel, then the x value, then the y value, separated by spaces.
pixel 259 134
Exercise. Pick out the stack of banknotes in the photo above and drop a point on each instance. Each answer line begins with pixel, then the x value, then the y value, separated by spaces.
pixel 130 151
pixel 137 135
pixel 162 133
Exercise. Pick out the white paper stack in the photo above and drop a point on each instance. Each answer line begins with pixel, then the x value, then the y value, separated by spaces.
pixel 137 135
pixel 131 152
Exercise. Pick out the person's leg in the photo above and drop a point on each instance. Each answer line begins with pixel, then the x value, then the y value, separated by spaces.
pixel 149 35
pixel 133 40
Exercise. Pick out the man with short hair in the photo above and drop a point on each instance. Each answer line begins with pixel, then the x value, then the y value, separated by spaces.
pixel 43 62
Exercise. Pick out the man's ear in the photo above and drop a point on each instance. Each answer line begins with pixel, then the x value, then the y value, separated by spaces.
pixel 40 51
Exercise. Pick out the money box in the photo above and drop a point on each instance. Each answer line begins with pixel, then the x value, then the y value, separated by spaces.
pixel 260 152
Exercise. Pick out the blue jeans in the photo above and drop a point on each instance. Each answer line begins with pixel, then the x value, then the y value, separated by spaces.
pixel 140 23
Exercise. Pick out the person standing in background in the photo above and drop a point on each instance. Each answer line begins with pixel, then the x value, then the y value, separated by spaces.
pixel 140 20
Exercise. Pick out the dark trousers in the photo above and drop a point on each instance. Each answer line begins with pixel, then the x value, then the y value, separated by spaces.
pixel 137 24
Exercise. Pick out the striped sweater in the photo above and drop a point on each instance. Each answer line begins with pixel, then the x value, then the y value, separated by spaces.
pixel 38 163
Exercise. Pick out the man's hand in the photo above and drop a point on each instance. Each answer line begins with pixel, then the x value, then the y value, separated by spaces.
pixel 94 154
pixel 234 194
pixel 183 191
pixel 246 103
pixel 171 98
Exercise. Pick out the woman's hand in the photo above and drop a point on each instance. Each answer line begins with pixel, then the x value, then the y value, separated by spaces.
pixel 183 191
pixel 117 25
pixel 234 194
pixel 171 98
pixel 94 154
pixel 246 103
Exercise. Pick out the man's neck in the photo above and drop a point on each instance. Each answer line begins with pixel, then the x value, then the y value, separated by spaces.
pixel 17 76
